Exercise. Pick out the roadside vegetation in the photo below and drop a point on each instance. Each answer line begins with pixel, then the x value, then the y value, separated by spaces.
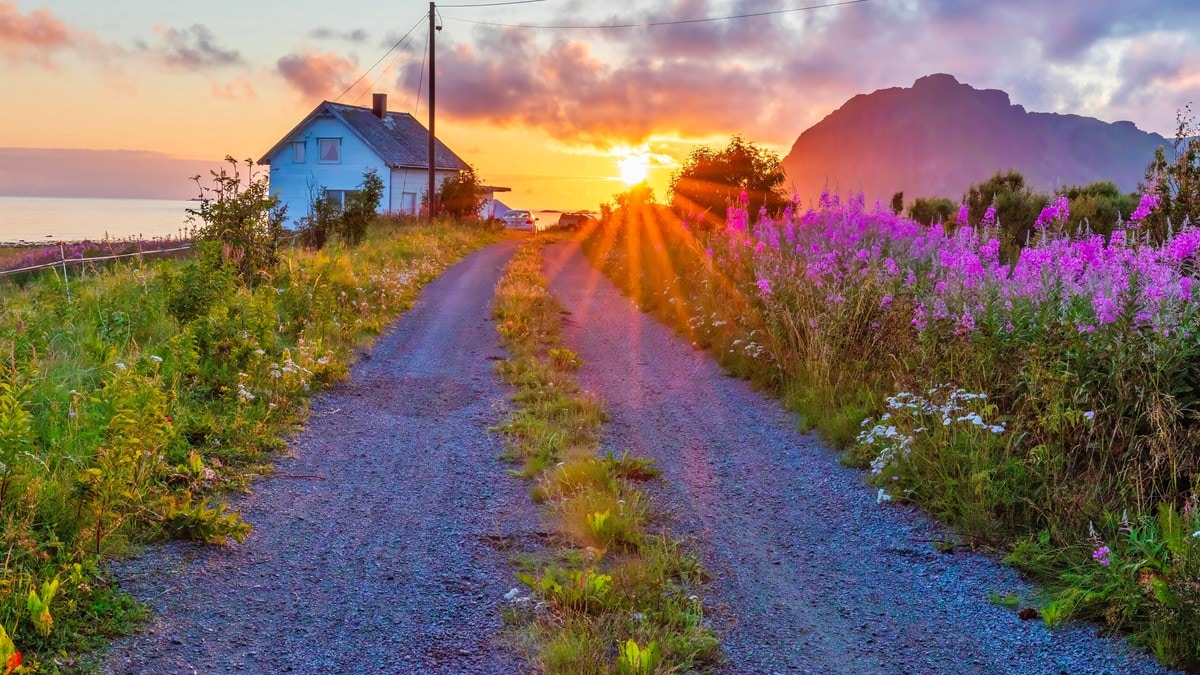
pixel 1039 392
pixel 131 404
pixel 617 595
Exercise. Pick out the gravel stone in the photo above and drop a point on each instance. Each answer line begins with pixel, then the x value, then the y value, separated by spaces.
pixel 810 574
pixel 394 560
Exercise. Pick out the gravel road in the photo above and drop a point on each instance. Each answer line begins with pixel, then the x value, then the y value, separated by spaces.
pixel 810 573
pixel 393 560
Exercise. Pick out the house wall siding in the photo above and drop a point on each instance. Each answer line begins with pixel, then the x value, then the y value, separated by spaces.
pixel 292 180
pixel 414 182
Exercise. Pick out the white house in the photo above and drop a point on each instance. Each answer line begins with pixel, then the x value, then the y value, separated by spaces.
pixel 337 143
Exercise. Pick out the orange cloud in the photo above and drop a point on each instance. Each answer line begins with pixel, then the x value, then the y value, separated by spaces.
pixel 32 37
pixel 317 75
pixel 574 96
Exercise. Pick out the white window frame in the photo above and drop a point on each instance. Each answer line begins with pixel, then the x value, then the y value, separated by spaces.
pixel 299 150
pixel 321 150
pixel 338 197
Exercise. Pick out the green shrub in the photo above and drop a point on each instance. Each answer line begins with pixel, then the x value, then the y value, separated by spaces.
pixel 242 214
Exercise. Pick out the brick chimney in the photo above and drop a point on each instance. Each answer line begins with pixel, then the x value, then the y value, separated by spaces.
pixel 379 105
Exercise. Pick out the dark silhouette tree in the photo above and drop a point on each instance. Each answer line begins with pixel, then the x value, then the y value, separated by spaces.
pixel 1176 181
pixel 711 180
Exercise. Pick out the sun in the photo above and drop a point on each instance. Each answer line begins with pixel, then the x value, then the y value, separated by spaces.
pixel 634 168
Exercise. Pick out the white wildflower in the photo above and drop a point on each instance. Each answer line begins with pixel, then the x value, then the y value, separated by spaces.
pixel 882 496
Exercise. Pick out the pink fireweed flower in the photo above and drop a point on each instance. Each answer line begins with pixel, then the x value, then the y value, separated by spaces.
pixel 885 302
pixel 989 216
pixel 1100 555
pixel 744 198
pixel 1145 207
pixel 1058 211
pixel 764 286
pixel 967 322
pixel 964 213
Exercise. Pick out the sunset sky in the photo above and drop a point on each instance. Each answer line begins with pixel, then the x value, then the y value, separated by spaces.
pixel 550 112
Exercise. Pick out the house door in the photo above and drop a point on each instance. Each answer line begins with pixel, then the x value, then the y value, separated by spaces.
pixel 408 202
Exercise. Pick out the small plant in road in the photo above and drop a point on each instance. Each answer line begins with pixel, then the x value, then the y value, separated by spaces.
pixel 636 660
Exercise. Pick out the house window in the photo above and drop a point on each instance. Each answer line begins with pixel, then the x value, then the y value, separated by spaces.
pixel 338 197
pixel 331 150
pixel 298 152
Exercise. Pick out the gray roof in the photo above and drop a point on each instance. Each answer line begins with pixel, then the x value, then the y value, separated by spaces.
pixel 399 139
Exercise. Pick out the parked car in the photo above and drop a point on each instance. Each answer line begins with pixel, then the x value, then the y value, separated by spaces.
pixel 573 220
pixel 521 219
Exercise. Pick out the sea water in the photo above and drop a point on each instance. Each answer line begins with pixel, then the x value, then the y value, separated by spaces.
pixel 45 219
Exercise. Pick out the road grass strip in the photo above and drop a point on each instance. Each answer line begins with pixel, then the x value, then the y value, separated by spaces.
pixel 616 596
pixel 128 405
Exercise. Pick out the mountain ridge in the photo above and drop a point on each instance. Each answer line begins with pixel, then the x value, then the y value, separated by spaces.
pixel 939 136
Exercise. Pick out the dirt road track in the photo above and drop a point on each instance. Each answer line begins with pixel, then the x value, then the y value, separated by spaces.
pixel 387 562
pixel 811 574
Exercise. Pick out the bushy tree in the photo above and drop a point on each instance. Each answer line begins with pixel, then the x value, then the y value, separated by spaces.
pixel 710 180
pixel 348 221
pixel 931 210
pixel 1017 206
pixel 1099 205
pixel 636 195
pixel 898 203
pixel 1176 181
pixel 461 195
pixel 241 213
pixel 360 209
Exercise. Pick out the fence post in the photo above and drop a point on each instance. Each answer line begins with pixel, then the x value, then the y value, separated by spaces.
pixel 66 282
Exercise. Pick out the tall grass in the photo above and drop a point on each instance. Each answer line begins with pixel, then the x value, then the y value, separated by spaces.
pixel 1044 403
pixel 158 384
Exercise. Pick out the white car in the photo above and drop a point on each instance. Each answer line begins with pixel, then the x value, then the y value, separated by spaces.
pixel 521 219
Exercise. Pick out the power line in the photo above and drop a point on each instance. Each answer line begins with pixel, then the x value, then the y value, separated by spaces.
pixel 379 77
pixel 492 4
pixel 421 81
pixel 650 24
pixel 385 55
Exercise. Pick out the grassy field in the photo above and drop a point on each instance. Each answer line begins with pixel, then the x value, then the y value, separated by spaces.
pixel 129 407
pixel 615 596
pixel 1044 403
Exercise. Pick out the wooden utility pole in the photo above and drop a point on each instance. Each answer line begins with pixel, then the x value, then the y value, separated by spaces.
pixel 432 98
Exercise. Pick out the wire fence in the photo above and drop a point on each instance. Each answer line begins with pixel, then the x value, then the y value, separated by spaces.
pixel 64 261
pixel 73 261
